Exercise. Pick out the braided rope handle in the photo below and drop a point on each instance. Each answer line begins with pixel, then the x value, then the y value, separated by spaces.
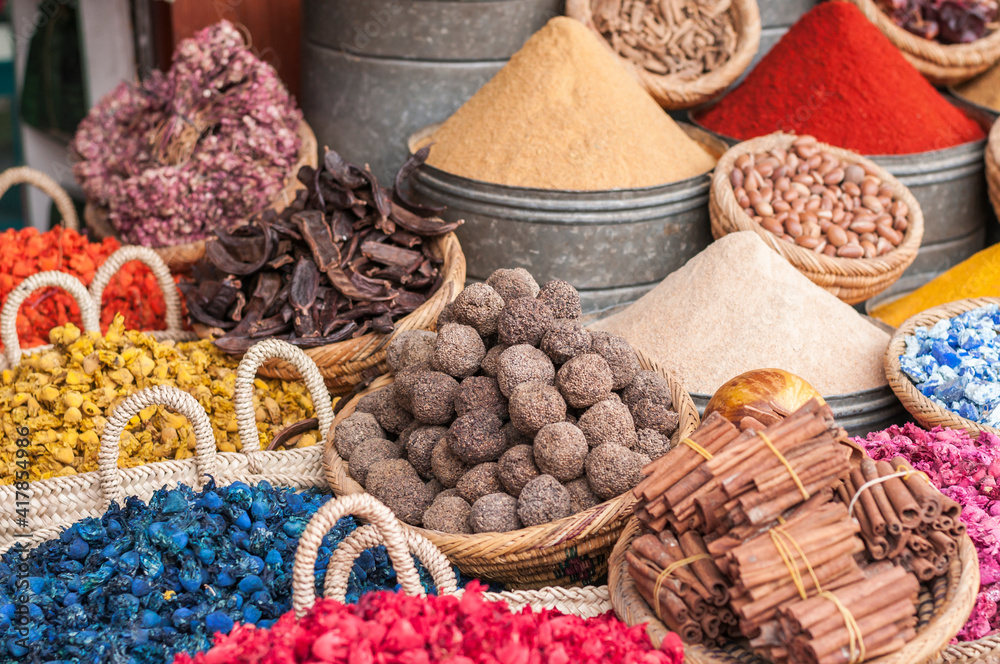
pixel 364 506
pixel 159 395
pixel 247 372
pixel 28 175
pixel 586 602
pixel 152 260
pixel 8 315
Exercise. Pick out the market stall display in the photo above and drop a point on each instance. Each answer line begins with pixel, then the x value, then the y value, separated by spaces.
pixel 683 54
pixel 843 221
pixel 202 147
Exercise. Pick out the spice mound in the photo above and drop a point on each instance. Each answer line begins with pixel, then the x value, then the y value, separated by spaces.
pixel 682 40
pixel 967 471
pixel 344 259
pixel 200 147
pixel 145 582
pixel 64 396
pixel 565 114
pixel 809 83
pixel 956 22
pixel 510 415
pixel 395 627
pixel 978 276
pixel 954 364
pixel 739 306
pixel 984 89
pixel 808 197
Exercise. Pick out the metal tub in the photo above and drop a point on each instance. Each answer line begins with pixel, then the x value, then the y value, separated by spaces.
pixel 612 245
pixel 375 71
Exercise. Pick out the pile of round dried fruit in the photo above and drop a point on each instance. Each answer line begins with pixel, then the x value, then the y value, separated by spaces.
pixel 133 292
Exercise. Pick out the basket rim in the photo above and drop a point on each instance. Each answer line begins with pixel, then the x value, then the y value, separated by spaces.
pixel 925 411
pixel 674 93
pixel 993 146
pixel 555 533
pixel 805 260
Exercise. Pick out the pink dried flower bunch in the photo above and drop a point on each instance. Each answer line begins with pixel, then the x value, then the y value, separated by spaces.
pixel 966 471
pixel 392 628
pixel 201 147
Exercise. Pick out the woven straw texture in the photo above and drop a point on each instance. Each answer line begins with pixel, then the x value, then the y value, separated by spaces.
pixel 941 64
pixel 384 529
pixel 28 175
pixel 923 410
pixel 853 280
pixel 942 611
pixel 673 92
pixel 58 502
pixel 993 168
pixel 180 257
pixel 570 551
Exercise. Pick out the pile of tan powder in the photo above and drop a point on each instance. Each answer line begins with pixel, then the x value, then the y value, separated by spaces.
pixel 565 114
pixel 739 306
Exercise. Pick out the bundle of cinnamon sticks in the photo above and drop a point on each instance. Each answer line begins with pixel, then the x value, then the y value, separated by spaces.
pixel 903 519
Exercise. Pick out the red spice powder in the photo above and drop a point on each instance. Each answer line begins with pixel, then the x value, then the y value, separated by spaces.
pixel 835 76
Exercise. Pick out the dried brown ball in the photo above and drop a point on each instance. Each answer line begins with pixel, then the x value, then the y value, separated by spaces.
pixel 448 514
pixel 494 513
pixel 480 392
pixel 449 493
pixel 404 435
pixel 561 451
pixel 612 470
pixel 542 500
pixel 387 470
pixel 447 467
pixel 479 481
pixel 619 355
pixel 368 452
pixel 420 446
pixel 565 340
pixel 524 320
pixel 432 397
pixel 402 384
pixel 523 364
pixel 513 283
pixel 585 380
pixel 390 415
pixel 533 405
pixel 580 496
pixel 458 351
pixel 407 496
pixel 478 306
pixel 512 437
pixel 648 385
pixel 517 468
pixel 608 421
pixel 475 437
pixel 491 363
pixel 649 414
pixel 410 347
pixel 434 486
pixel 651 443
pixel 352 430
pixel 562 298
pixel 446 316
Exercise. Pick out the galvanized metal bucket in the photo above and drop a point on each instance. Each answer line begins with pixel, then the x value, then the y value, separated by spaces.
pixel 375 71
pixel 612 245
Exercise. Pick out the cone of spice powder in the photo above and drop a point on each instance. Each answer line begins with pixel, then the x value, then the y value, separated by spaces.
pixel 565 114
pixel 835 76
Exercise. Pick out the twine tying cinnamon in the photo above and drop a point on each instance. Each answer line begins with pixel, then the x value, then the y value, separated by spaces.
pixel 697 448
pixel 670 569
pixel 784 462
pixel 878 480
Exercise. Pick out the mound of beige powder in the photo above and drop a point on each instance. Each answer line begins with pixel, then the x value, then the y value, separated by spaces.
pixel 739 306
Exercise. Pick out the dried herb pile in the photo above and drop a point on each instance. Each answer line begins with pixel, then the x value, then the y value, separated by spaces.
pixel 686 39
pixel 944 21
pixel 201 147
pixel 348 257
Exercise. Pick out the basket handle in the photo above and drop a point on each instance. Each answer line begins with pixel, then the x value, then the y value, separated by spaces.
pixel 364 506
pixel 152 260
pixel 158 395
pixel 28 175
pixel 89 311
pixel 247 372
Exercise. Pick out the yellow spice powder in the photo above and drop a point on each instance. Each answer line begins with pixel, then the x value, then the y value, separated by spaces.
pixel 983 89
pixel 978 276
pixel 565 114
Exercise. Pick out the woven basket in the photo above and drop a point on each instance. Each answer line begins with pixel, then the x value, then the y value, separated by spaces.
pixel 346 364
pixel 941 64
pixel 570 551
pixel 672 92
pixel 853 280
pixel 927 413
pixel 180 257
pixel 384 529
pixel 993 168
pixel 28 175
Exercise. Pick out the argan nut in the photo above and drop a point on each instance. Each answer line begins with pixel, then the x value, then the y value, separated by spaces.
pixel 479 307
pixel 516 468
pixel 620 356
pixel 608 421
pixel 448 514
pixel 565 340
pixel 495 513
pixel 475 438
pixel 479 481
pixel 543 500
pixel 585 380
pixel 561 451
pixel 562 298
pixel 352 430
pixel 534 405
pixel 523 364
pixel 524 320
pixel 458 350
